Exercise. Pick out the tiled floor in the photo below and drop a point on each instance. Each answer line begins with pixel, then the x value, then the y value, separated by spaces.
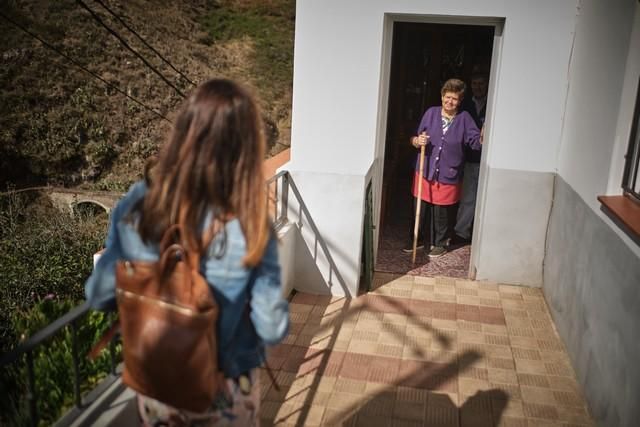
pixel 423 351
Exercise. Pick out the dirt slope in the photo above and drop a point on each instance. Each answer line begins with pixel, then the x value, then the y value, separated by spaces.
pixel 60 125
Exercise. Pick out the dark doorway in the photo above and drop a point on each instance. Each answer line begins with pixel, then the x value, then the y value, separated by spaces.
pixel 423 57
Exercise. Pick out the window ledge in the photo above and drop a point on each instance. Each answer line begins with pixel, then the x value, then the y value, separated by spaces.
pixel 625 211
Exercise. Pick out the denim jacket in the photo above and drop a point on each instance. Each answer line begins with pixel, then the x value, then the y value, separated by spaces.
pixel 252 309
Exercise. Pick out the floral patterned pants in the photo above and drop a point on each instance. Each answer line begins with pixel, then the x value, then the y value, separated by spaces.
pixel 236 405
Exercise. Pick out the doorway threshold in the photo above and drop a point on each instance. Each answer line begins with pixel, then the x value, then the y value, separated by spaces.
pixel 391 258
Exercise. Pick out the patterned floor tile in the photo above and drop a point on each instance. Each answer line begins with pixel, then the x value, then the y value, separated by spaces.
pixel 502 376
pixel 423 351
pixel 409 410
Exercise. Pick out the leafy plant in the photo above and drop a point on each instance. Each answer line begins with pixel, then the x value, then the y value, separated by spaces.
pixel 53 363
pixel 45 256
pixel 42 252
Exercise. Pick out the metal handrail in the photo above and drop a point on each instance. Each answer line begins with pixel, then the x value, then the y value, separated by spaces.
pixel 44 334
pixel 279 220
pixel 279 215
pixel 282 181
pixel 27 347
pixel 314 228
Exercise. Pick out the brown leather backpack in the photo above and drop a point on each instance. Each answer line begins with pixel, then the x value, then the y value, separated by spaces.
pixel 168 324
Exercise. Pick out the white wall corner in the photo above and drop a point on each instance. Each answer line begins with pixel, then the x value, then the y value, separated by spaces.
pixel 331 250
pixel 515 226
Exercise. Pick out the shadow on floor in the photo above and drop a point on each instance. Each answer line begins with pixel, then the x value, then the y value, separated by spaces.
pixel 328 378
pixel 483 409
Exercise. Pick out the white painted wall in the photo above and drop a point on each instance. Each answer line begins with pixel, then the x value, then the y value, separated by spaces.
pixel 338 54
pixel 512 248
pixel 338 78
pixel 287 238
pixel 597 73
pixel 327 261
pixel 604 73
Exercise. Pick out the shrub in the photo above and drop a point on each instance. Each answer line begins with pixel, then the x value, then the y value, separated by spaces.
pixel 53 363
pixel 45 257
pixel 43 252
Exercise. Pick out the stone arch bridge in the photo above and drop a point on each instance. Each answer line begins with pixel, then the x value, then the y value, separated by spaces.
pixel 67 199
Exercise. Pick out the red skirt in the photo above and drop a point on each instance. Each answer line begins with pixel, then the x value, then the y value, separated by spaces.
pixel 437 193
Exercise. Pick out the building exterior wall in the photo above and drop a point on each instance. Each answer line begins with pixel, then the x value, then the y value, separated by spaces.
pixel 558 127
pixel 592 268
pixel 596 76
pixel 591 280
pixel 512 250
pixel 337 79
pixel 339 116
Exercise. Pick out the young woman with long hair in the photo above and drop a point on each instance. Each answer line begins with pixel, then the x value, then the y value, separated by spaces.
pixel 208 179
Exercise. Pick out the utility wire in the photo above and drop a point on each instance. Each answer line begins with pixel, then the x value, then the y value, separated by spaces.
pixel 116 35
pixel 143 41
pixel 76 63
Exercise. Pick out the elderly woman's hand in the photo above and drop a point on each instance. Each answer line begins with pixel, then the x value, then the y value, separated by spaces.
pixel 420 140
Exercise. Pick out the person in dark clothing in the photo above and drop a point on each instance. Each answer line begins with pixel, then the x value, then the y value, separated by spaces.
pixel 476 106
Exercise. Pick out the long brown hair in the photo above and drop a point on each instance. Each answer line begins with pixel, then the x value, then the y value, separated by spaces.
pixel 212 163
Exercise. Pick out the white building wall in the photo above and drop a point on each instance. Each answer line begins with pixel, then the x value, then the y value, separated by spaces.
pixel 337 72
pixel 604 76
pixel 338 84
pixel 592 268
pixel 597 74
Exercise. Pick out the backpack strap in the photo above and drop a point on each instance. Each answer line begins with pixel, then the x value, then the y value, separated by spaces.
pixel 166 249
pixel 172 241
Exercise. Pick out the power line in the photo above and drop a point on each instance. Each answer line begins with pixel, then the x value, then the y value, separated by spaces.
pixel 143 41
pixel 83 68
pixel 116 35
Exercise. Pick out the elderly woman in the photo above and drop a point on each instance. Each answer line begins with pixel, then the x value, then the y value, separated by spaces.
pixel 445 132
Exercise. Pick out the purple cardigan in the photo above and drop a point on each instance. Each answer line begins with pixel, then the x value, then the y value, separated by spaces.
pixel 445 154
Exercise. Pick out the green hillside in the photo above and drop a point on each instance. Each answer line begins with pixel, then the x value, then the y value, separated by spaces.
pixel 61 125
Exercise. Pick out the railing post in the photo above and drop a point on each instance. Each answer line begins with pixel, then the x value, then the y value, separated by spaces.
pixel 112 354
pixel 267 199
pixel 31 390
pixel 285 197
pixel 76 364
pixel 275 202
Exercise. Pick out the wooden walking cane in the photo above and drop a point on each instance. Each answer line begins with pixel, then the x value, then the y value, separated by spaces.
pixel 416 224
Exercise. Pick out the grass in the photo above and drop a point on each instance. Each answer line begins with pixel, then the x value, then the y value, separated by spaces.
pixel 269 27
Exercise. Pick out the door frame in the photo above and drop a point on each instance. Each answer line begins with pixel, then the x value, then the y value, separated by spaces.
pixel 383 104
